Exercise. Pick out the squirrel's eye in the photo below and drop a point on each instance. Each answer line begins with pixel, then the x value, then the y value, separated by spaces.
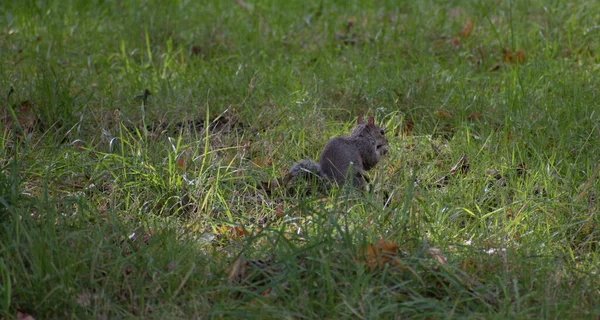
pixel 382 132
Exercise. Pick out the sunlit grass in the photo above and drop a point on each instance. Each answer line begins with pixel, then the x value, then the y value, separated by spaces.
pixel 115 203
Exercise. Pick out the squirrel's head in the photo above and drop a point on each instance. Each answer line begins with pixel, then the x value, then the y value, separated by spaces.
pixel 375 133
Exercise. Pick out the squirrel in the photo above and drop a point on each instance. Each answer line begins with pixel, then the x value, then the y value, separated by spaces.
pixel 346 156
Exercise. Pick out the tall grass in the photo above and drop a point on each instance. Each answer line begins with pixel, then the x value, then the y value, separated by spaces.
pixel 137 139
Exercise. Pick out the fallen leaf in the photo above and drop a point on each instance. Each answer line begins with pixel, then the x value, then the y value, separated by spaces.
pixel 520 55
pixel 371 256
pixel 467 29
pixel 180 163
pixel 238 270
pixel 437 255
pixel 385 252
pixel 266 292
pixel 442 115
pixel 24 316
pixel 387 246
pixel 279 210
pixel 517 56
pixel 262 162
pixel 508 55
pixel 455 42
pixel 474 116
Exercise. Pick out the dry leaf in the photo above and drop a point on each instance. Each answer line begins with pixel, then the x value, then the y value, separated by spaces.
pixel 385 252
pixel 437 255
pixel 388 247
pixel 466 31
pixel 279 212
pixel 474 116
pixel 442 115
pixel 262 162
pixel 238 270
pixel 24 316
pixel 517 56
pixel 180 163
pixel 455 42
pixel 520 55
pixel 508 55
pixel 266 292
pixel 371 256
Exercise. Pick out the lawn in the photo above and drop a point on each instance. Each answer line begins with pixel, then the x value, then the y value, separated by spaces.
pixel 142 142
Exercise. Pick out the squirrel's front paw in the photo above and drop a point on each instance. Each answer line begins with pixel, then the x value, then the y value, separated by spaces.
pixel 381 150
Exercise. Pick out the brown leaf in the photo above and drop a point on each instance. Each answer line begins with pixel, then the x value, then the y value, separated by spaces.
pixel 520 55
pixel 437 255
pixel 180 163
pixel 266 292
pixel 385 252
pixel 262 162
pixel 24 316
pixel 239 231
pixel 517 56
pixel 467 29
pixel 371 256
pixel 508 55
pixel 455 42
pixel 442 115
pixel 387 246
pixel 238 270
pixel 279 212
pixel 474 116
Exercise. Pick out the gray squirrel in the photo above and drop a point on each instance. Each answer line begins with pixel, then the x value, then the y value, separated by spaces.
pixel 346 156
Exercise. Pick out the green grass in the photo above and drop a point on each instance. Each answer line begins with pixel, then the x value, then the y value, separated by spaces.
pixel 116 206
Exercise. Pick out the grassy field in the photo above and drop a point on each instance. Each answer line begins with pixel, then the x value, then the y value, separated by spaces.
pixel 137 138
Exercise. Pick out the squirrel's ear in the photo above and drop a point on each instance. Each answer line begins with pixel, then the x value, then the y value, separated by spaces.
pixel 371 121
pixel 360 120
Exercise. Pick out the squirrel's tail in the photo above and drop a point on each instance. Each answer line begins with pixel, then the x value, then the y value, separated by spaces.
pixel 307 171
pixel 306 168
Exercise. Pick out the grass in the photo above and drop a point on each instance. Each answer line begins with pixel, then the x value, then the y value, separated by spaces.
pixel 118 204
